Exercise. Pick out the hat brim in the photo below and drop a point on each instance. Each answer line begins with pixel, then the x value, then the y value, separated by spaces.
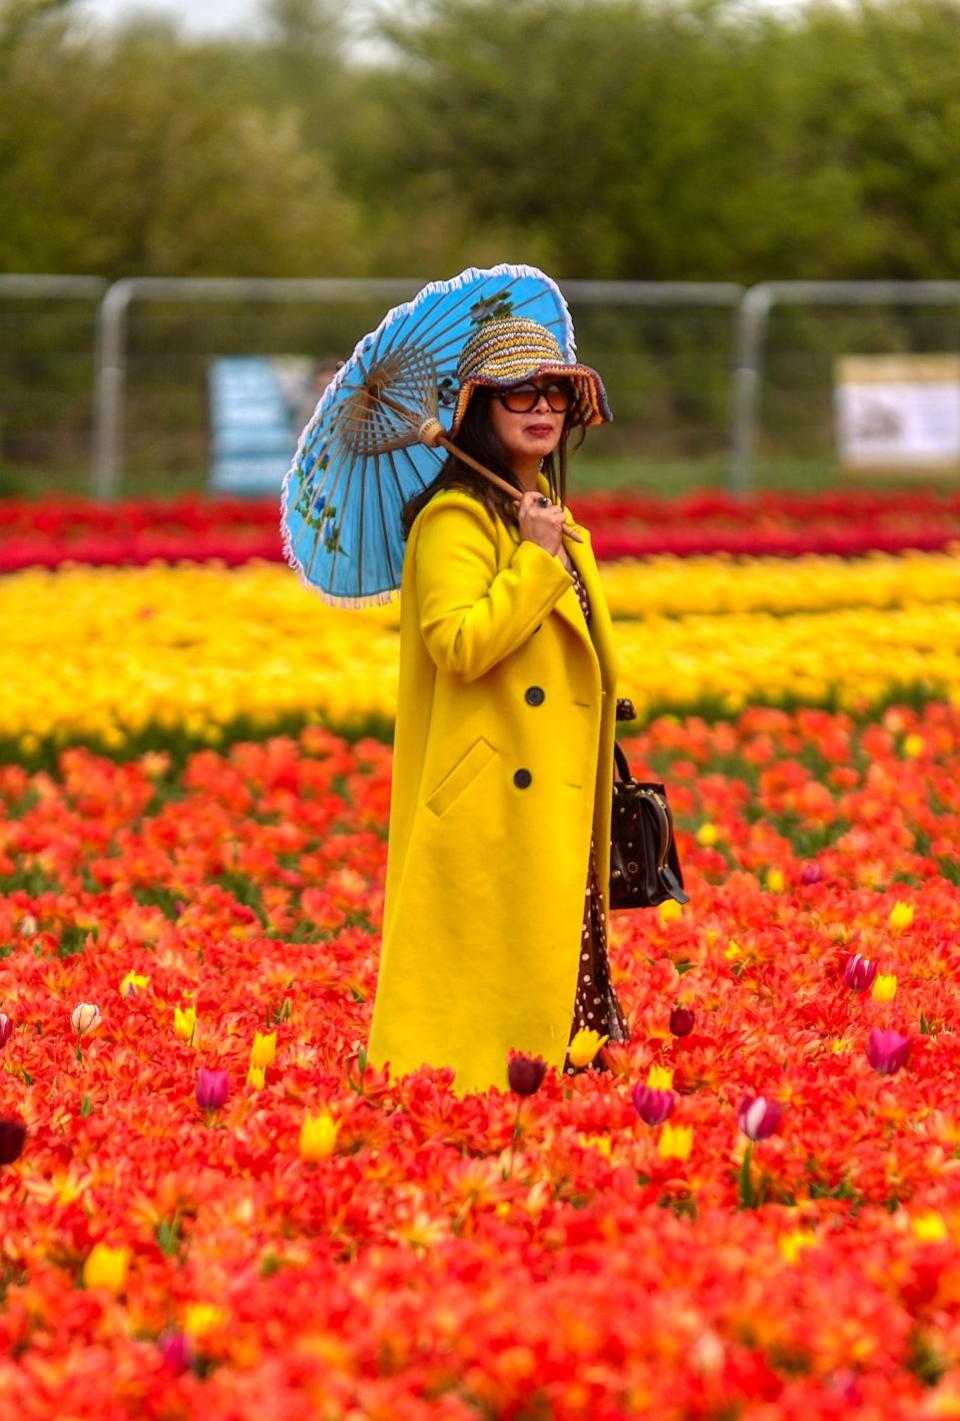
pixel 590 405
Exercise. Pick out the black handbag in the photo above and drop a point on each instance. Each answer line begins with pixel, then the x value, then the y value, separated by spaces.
pixel 644 866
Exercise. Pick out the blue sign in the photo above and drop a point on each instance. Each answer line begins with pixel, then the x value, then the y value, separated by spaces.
pixel 258 405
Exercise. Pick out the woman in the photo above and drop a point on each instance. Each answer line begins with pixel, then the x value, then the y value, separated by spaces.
pixel 495 919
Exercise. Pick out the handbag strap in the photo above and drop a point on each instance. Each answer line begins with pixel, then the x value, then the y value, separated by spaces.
pixel 657 801
pixel 621 761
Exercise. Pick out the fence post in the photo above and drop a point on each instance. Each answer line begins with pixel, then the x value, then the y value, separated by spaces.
pixel 751 332
pixel 111 377
pixel 110 387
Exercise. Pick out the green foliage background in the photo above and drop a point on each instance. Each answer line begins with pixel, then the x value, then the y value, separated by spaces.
pixel 701 139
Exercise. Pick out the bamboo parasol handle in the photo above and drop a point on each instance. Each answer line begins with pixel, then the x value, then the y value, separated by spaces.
pixel 431 433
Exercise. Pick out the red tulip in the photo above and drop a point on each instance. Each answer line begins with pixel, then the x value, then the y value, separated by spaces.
pixel 297 825
pixel 12 1135
pixel 859 972
pixel 525 1074
pixel 653 1106
pixel 888 1051
pixel 681 1021
pixel 213 1087
pixel 759 1117
pixel 176 1350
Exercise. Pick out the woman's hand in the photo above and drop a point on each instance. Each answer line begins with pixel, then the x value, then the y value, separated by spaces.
pixel 541 525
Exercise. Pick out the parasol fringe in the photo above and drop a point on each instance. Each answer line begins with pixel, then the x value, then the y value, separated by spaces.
pixel 406 308
pixel 372 599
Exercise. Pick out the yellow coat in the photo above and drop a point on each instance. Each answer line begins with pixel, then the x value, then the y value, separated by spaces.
pixel 503 762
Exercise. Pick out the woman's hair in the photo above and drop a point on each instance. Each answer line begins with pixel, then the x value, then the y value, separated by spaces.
pixel 477 437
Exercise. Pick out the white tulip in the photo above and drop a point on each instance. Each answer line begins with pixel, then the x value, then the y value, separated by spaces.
pixel 85 1017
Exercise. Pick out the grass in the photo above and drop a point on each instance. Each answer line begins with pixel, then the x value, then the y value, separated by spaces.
pixel 672 477
pixel 589 471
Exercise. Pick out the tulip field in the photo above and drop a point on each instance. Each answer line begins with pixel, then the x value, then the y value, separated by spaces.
pixel 212 1205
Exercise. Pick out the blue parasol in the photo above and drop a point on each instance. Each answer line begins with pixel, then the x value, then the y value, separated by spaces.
pixel 378 433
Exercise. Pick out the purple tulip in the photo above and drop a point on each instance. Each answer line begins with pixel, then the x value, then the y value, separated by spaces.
pixel 12 1135
pixel 6 1029
pixel 759 1117
pixel 887 1051
pixel 859 972
pixel 213 1087
pixel 811 873
pixel 653 1106
pixel 176 1350
pixel 525 1074
pixel 681 1021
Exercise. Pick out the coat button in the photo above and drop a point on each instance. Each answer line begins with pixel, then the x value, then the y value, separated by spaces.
pixel 534 696
pixel 522 778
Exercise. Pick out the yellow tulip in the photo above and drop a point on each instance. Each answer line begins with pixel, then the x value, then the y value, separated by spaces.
pixel 670 911
pixel 660 1078
pixel 602 1143
pixel 793 1243
pixel 707 835
pixel 257 1077
pixel 264 1048
pixel 185 1022
pixel 901 915
pixel 775 880
pixel 675 1142
pixel 884 987
pixel 711 585
pixel 318 1136
pixel 200 1318
pixel 585 1045
pixel 913 746
pixel 106 1267
pixel 133 984
pixel 930 1228
pixel 195 665
pixel 154 763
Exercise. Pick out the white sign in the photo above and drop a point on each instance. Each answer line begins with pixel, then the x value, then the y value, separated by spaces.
pixel 898 412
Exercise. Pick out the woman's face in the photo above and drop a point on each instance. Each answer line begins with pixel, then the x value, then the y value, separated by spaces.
pixel 530 436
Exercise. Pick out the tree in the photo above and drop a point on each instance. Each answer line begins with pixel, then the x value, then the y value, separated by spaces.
pixel 142 165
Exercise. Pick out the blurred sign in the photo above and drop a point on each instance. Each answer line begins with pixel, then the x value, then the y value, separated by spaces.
pixel 258 406
pixel 898 412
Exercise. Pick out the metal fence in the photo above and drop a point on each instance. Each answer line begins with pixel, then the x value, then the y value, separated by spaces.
pixel 710 383
pixel 789 334
pixel 48 363
pixel 664 349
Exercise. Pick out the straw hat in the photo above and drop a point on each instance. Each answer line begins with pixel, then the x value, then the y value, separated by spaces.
pixel 511 350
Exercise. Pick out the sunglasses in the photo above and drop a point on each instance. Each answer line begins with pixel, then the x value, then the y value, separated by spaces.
pixel 521 399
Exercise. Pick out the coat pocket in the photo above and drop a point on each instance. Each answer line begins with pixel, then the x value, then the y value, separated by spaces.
pixel 464 772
